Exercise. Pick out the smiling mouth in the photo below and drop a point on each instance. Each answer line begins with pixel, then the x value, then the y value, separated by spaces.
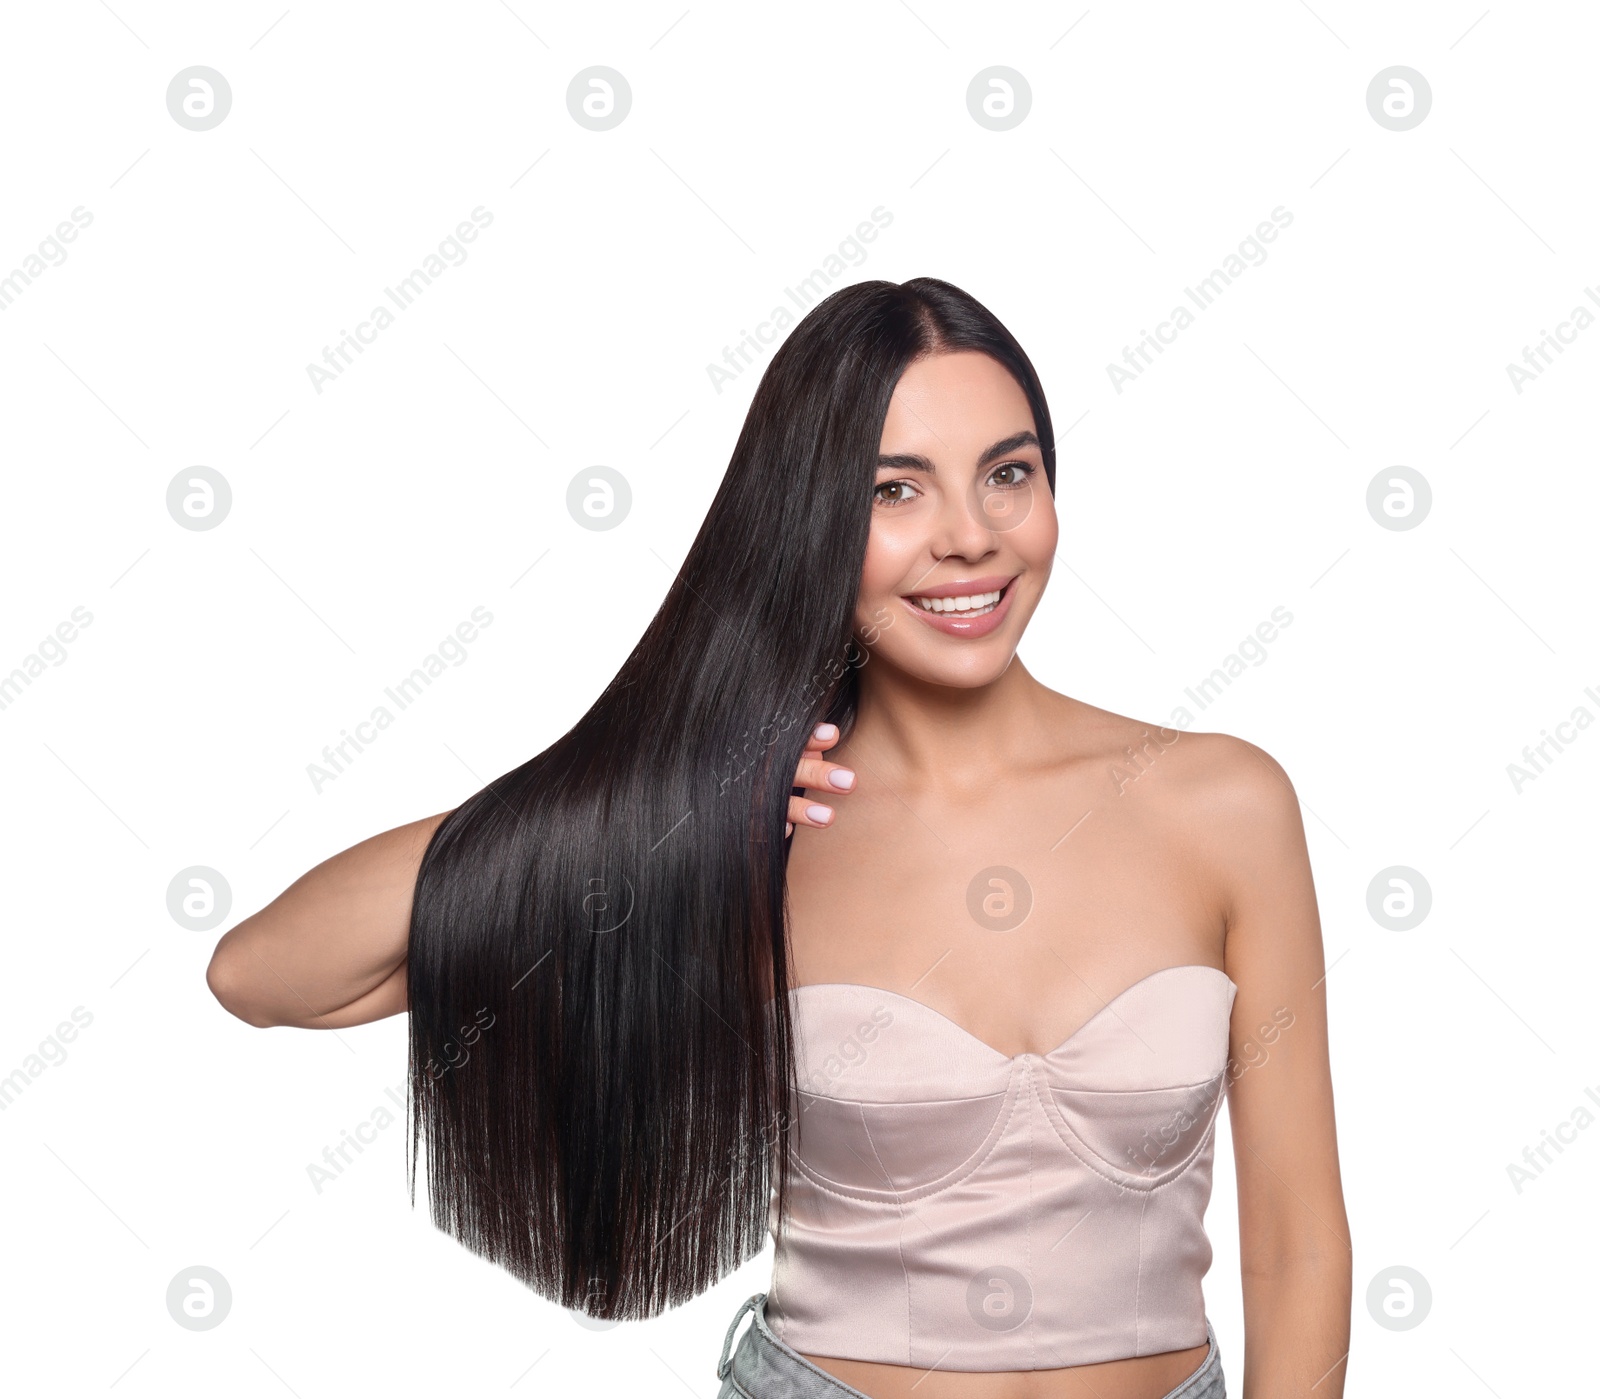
pixel 961 608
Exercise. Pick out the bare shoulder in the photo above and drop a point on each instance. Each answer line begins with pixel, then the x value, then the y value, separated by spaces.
pixel 1230 779
pixel 1235 798
pixel 1218 763
pixel 1236 812
pixel 1229 797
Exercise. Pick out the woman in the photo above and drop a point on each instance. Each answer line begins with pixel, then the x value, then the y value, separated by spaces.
pixel 967 991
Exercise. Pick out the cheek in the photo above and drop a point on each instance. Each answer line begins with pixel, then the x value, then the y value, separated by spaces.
pixel 891 559
pixel 888 559
pixel 1036 539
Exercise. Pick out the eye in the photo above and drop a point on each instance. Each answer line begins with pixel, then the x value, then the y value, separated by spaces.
pixel 892 493
pixel 1011 475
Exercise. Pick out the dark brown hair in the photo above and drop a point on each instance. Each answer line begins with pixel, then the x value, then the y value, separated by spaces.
pixel 607 921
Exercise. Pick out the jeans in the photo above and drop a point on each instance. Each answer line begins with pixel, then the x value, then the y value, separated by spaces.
pixel 762 1367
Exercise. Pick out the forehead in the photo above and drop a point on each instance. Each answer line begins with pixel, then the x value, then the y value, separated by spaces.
pixel 953 404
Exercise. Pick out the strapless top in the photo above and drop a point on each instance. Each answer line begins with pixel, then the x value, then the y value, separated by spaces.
pixel 955 1207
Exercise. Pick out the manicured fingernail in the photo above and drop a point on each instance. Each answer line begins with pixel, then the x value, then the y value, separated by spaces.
pixel 825 731
pixel 820 814
pixel 788 828
pixel 842 778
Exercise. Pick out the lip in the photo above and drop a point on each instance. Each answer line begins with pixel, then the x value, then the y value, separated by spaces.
pixel 974 627
pixel 966 587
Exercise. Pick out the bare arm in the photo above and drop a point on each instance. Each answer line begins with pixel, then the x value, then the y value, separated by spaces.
pixel 1294 1240
pixel 330 950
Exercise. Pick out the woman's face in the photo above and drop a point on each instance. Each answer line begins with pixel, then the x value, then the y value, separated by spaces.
pixel 963 524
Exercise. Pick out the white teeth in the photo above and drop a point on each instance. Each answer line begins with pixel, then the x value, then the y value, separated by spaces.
pixel 974 606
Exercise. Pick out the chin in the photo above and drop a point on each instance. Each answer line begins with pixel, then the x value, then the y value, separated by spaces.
pixel 972 673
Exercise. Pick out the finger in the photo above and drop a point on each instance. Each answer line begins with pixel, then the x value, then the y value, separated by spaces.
pixel 820 775
pixel 809 813
pixel 821 738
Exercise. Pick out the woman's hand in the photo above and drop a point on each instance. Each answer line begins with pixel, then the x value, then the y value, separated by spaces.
pixel 816 772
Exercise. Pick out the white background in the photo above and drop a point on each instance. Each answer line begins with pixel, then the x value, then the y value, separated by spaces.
pixel 430 478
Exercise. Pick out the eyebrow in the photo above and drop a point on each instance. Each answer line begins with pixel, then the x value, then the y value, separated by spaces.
pixel 910 461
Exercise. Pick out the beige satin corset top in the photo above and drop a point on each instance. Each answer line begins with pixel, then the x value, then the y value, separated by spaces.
pixel 952 1206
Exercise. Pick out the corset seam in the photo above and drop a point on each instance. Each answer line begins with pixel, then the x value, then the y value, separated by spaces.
pixel 980 1154
pixel 1033 1300
pixel 995 1139
pixel 1102 1168
pixel 900 1233
pixel 1158 1088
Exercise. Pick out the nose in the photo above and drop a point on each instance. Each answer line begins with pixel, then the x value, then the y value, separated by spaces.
pixel 963 528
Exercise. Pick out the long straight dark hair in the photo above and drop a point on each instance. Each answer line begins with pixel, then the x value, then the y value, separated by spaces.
pixel 600 1051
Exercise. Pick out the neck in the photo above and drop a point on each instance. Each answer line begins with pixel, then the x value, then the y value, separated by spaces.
pixel 911 731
